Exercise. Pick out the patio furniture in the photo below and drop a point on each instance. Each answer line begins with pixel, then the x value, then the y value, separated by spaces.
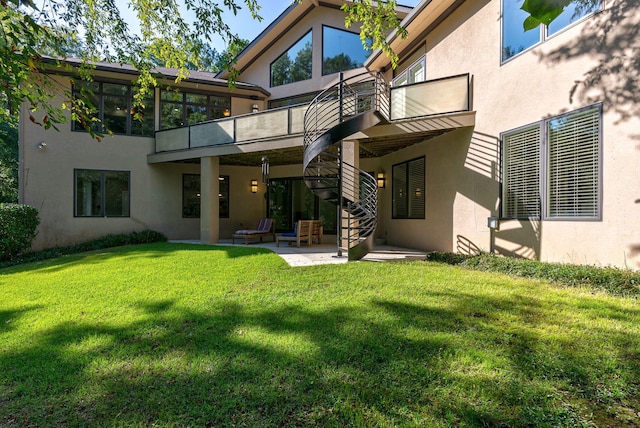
pixel 265 228
pixel 316 230
pixel 302 232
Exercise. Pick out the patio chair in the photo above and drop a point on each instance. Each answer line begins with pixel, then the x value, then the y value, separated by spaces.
pixel 301 232
pixel 265 228
pixel 316 230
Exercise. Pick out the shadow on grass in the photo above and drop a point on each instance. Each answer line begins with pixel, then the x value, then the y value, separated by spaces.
pixel 390 363
pixel 132 252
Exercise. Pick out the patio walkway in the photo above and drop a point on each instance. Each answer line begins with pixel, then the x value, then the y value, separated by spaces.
pixel 319 254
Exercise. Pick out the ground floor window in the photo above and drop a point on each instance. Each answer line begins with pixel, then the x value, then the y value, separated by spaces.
pixel 551 169
pixel 101 193
pixel 291 200
pixel 191 196
pixel 408 191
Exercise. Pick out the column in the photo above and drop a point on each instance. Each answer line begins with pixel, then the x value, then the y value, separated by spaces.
pixel 209 203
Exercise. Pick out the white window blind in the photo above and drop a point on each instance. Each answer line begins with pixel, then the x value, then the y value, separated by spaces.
pixel 569 154
pixel 521 173
pixel 573 163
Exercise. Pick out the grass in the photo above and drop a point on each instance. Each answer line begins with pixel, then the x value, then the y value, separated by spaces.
pixel 187 335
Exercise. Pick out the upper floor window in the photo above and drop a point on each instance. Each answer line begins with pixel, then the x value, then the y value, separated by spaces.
pixel 413 74
pixel 114 107
pixel 186 108
pixel 295 64
pixel 515 39
pixel 341 50
pixel 551 169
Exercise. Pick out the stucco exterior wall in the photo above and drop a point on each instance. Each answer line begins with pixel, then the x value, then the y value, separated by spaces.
pixel 462 167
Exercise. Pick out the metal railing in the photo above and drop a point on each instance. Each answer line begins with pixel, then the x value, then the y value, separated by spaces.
pixel 348 106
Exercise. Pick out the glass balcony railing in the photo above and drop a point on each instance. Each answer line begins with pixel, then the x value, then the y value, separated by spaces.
pixel 440 96
pixel 264 125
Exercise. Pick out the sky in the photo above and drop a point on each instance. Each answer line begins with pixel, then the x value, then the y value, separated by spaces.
pixel 242 23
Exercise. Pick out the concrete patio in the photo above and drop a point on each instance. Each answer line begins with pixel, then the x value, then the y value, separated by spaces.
pixel 319 254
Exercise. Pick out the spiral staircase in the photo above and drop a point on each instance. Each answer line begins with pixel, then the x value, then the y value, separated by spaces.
pixel 351 105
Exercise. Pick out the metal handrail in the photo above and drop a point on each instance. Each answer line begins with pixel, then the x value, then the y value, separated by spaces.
pixel 324 171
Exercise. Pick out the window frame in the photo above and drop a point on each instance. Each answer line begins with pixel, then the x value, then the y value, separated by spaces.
pixel 543 160
pixel 223 194
pixel 103 210
pixel 406 73
pixel 76 89
pixel 210 105
pixel 323 73
pixel 408 174
pixel 544 34
pixel 286 51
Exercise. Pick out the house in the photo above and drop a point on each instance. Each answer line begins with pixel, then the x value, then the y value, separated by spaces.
pixel 485 137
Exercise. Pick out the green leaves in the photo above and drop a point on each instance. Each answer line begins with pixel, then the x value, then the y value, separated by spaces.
pixel 542 12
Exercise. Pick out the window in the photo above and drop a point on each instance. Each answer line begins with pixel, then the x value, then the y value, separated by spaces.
pixel 291 200
pixel 413 74
pixel 295 64
pixel 191 196
pixel 292 101
pixel 113 105
pixel 516 40
pixel 341 51
pixel 553 168
pixel 185 108
pixel 101 193
pixel 409 189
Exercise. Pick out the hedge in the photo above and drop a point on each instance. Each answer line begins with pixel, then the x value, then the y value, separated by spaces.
pixel 18 227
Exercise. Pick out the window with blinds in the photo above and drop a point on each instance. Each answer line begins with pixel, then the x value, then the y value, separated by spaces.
pixel 521 173
pixel 569 154
pixel 408 190
pixel 573 165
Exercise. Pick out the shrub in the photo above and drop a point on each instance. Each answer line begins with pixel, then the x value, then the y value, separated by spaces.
pixel 613 280
pixel 144 237
pixel 18 227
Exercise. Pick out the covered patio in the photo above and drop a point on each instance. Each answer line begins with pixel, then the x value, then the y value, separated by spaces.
pixel 322 254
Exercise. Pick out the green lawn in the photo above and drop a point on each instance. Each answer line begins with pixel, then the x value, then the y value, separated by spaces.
pixel 188 335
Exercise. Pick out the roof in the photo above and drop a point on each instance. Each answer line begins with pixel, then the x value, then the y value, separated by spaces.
pixel 281 25
pixel 203 77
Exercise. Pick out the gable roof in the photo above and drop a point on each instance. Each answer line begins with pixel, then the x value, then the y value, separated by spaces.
pixel 281 25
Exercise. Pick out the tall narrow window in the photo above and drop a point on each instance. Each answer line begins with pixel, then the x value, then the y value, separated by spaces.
pixel 295 64
pixel 573 164
pixel 569 151
pixel 101 193
pixel 341 50
pixel 521 173
pixel 409 193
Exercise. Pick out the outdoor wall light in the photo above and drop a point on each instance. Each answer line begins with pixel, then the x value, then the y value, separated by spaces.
pixel 226 112
pixel 254 186
pixel 493 223
pixel 381 180
pixel 254 108
pixel 42 145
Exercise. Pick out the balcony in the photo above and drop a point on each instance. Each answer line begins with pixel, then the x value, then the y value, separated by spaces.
pixel 415 112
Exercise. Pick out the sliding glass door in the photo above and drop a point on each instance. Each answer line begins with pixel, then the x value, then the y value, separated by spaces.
pixel 291 200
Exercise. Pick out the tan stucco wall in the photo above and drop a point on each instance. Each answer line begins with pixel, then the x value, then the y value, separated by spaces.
pixel 462 176
pixel 259 71
pixel 47 183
